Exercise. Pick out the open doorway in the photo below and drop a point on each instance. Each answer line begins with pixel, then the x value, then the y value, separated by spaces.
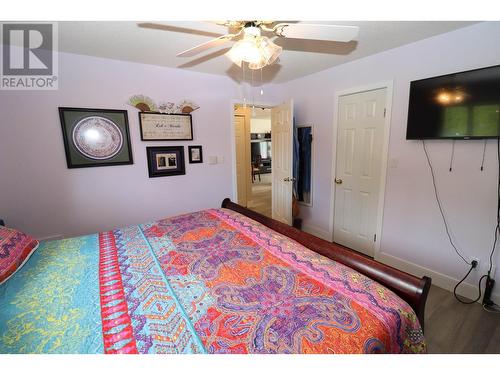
pixel 275 149
pixel 253 147
pixel 261 160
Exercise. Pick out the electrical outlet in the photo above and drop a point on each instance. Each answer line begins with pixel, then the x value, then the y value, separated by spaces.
pixel 478 263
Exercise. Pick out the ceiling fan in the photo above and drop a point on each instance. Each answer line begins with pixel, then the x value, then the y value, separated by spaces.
pixel 258 50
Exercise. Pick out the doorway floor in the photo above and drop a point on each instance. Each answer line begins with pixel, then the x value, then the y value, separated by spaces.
pixel 261 195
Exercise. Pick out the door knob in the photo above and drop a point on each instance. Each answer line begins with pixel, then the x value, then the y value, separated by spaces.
pixel 338 181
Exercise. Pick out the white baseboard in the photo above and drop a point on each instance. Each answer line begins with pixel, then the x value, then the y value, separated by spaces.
pixel 318 232
pixel 441 280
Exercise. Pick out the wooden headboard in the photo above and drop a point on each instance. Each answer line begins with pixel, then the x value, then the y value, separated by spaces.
pixel 410 288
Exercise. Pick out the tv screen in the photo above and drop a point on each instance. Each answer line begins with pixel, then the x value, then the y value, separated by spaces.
pixel 463 105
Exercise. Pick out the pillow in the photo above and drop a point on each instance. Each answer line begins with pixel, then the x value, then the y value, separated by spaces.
pixel 15 249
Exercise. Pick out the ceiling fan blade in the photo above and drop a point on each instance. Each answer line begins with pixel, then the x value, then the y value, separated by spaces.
pixel 181 27
pixel 190 27
pixel 207 45
pixel 336 33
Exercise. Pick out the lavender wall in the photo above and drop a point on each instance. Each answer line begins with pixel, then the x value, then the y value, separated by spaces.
pixel 42 197
pixel 413 237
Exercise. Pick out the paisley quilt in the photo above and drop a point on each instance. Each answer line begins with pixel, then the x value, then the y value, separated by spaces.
pixel 212 281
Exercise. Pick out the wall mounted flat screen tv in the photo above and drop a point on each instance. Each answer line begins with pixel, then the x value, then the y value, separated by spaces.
pixel 463 105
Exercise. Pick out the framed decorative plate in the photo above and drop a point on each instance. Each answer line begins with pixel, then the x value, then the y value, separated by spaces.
pixel 95 137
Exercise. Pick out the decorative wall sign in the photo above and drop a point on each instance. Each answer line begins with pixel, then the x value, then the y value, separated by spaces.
pixel 195 154
pixel 146 104
pixel 165 161
pixel 165 127
pixel 95 137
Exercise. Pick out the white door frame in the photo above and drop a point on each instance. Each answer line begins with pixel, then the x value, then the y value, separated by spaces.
pixel 232 103
pixel 385 153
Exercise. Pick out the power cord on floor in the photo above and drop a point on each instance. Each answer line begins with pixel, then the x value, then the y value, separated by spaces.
pixel 473 265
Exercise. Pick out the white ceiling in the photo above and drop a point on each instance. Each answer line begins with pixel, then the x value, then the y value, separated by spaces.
pixel 158 44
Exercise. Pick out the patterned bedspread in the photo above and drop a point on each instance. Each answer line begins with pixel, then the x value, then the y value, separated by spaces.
pixel 212 281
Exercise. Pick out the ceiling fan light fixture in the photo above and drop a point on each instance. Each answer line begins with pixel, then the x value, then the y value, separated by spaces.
pixel 246 50
pixel 269 50
pixel 256 51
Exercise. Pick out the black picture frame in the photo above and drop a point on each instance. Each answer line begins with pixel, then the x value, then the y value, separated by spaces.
pixel 142 116
pixel 165 161
pixel 190 154
pixel 71 117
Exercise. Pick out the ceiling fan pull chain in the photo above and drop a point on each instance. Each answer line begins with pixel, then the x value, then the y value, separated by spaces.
pixel 261 87
pixel 253 96
pixel 243 85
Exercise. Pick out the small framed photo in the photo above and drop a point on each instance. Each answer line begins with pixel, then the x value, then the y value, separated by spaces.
pixel 95 137
pixel 195 154
pixel 165 161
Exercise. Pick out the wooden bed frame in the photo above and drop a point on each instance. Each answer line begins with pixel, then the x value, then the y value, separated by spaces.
pixel 410 288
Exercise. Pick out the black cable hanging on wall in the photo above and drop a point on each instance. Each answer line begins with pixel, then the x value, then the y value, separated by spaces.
pixel 484 153
pixel 497 228
pixel 493 307
pixel 440 206
pixel 452 155
pixel 472 264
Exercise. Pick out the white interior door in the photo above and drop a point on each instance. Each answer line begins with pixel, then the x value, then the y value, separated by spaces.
pixel 242 143
pixel 282 164
pixel 361 131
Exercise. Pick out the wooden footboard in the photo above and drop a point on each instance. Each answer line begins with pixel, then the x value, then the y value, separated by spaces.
pixel 410 288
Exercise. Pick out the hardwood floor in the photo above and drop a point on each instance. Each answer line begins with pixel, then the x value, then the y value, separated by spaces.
pixel 261 195
pixel 452 327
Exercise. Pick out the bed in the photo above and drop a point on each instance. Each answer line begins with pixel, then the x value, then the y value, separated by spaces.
pixel 224 280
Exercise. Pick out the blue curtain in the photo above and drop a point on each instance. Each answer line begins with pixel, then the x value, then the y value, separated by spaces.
pixel 304 156
pixel 296 158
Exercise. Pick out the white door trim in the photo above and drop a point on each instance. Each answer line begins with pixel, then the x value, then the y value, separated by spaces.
pixel 385 153
pixel 232 103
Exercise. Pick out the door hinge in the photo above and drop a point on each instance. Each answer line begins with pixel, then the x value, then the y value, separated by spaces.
pixel 385 111
pixel 375 238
